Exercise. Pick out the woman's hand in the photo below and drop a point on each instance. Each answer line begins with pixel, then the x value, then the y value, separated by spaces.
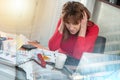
pixel 83 25
pixel 61 28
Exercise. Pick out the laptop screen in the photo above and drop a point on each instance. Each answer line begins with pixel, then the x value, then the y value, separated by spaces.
pixel 91 63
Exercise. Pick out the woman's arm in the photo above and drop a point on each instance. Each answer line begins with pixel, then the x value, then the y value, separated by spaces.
pixel 61 26
pixel 83 25
pixel 86 44
pixel 55 40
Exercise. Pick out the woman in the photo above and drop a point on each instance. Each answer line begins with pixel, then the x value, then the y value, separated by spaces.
pixel 75 33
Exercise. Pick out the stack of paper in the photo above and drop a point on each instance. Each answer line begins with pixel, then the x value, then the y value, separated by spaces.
pixel 7 59
pixel 7 66
pixel 7 72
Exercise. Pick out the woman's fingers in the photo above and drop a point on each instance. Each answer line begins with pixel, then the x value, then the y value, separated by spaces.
pixel 61 28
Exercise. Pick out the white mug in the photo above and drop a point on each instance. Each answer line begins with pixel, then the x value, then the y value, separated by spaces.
pixel 60 60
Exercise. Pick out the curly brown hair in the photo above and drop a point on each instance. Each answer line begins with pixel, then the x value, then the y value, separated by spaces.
pixel 73 12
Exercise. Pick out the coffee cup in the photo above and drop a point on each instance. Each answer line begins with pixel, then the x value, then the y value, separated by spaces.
pixel 60 60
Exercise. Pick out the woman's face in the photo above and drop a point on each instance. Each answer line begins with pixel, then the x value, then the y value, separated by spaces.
pixel 73 28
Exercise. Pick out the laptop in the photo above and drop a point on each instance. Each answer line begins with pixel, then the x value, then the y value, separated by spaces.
pixel 92 63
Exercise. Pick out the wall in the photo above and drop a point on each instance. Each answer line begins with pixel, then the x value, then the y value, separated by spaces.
pixel 108 19
pixel 46 18
pixel 43 20
pixel 36 19
pixel 16 16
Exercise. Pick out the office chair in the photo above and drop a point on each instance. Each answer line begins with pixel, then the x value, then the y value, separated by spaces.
pixel 99 45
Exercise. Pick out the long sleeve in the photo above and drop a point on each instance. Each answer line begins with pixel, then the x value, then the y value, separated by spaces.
pixel 55 40
pixel 75 45
pixel 86 44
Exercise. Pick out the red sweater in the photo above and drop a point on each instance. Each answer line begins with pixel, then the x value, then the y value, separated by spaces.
pixel 75 45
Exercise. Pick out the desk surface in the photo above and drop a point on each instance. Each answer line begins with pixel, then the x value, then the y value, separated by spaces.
pixel 33 71
pixel 36 72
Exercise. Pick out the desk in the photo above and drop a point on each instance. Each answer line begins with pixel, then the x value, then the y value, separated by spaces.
pixel 7 72
pixel 33 67
pixel 36 72
pixel 30 71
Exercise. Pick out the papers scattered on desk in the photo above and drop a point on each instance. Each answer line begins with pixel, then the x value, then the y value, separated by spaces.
pixel 50 54
pixel 18 58
pixel 48 73
pixel 36 72
pixel 21 57
pixel 7 59
pixel 51 75
pixel 24 56
pixel 9 45
pixel 14 44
